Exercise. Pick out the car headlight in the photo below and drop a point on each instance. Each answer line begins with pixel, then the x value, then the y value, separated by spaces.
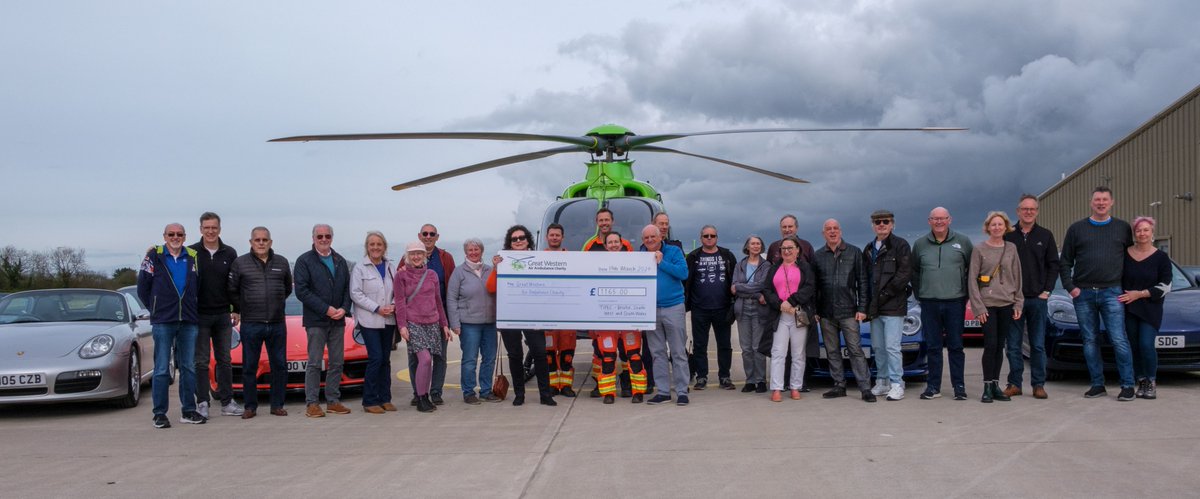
pixel 1062 311
pixel 358 336
pixel 235 339
pixel 912 325
pixel 97 347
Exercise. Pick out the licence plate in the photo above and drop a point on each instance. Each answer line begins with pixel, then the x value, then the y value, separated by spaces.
pixel 1168 342
pixel 22 380
pixel 846 353
pixel 299 366
pixel 971 323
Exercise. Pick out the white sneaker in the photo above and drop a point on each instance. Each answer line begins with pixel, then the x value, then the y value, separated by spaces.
pixel 232 409
pixel 881 387
pixel 202 408
pixel 896 393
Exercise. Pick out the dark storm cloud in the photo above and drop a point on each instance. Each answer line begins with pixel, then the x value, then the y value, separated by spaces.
pixel 1044 87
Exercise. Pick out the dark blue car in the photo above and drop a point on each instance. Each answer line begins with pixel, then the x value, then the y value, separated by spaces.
pixel 912 348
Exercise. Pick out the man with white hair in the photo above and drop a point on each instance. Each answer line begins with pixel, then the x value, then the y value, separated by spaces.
pixel 669 331
pixel 323 286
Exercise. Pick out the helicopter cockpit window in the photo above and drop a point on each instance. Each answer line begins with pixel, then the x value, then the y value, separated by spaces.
pixel 578 217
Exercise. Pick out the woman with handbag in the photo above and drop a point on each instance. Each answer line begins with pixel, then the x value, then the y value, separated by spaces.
pixel 519 238
pixel 472 313
pixel 421 318
pixel 750 310
pixel 994 286
pixel 371 284
pixel 789 295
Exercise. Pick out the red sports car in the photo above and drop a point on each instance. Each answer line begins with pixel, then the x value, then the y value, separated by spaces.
pixel 353 367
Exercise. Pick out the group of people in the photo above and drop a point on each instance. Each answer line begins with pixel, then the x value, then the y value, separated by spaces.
pixel 776 294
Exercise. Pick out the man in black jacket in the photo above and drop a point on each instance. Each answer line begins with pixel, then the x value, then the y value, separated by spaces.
pixel 710 299
pixel 259 283
pixel 888 261
pixel 1039 269
pixel 842 305
pixel 214 258
pixel 323 286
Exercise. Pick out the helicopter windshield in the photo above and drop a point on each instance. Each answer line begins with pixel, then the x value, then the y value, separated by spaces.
pixel 578 218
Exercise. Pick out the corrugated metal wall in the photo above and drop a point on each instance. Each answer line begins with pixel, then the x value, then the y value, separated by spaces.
pixel 1146 171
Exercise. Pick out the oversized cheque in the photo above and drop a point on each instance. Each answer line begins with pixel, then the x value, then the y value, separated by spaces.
pixel 575 290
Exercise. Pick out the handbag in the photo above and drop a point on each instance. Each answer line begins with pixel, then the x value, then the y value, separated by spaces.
pixel 801 316
pixel 500 385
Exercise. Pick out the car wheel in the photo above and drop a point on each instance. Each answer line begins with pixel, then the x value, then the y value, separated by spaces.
pixel 1054 375
pixel 133 392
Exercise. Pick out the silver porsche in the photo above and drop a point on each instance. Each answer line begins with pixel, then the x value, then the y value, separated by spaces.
pixel 62 345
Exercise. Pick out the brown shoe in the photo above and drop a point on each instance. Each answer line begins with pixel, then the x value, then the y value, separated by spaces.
pixel 1039 393
pixel 387 406
pixel 278 411
pixel 337 408
pixel 373 409
pixel 248 413
pixel 312 411
pixel 1012 390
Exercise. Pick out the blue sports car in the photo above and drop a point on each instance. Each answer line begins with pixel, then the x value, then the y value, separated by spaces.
pixel 1178 341
pixel 912 348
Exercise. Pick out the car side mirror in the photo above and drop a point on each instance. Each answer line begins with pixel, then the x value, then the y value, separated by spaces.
pixel 142 315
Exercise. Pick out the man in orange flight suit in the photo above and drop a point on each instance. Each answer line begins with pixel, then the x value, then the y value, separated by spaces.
pixel 560 344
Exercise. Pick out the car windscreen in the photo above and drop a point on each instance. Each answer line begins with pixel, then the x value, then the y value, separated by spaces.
pixel 63 306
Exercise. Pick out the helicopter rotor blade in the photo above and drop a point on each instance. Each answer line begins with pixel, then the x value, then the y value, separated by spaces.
pixel 634 142
pixel 489 164
pixel 768 173
pixel 588 142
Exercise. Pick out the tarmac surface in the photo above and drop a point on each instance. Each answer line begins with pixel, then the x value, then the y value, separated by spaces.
pixel 725 444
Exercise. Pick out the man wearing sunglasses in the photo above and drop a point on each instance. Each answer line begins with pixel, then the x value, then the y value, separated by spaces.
pixel 888 261
pixel 167 283
pixel 710 299
pixel 323 286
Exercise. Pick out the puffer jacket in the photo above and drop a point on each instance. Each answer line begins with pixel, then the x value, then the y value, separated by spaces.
pixel 318 289
pixel 257 289
pixel 841 281
pixel 889 274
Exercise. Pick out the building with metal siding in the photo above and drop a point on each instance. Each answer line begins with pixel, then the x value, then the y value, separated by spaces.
pixel 1154 171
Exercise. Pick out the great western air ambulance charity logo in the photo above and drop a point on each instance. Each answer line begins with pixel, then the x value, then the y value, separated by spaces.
pixel 518 264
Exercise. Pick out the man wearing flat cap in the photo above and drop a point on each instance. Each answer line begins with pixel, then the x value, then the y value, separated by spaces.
pixel 888 260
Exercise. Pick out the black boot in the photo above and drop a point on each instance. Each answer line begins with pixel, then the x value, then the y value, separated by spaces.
pixel 998 393
pixel 626 388
pixel 424 404
pixel 987 393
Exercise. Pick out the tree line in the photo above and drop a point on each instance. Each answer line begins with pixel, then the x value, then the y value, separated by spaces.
pixel 61 267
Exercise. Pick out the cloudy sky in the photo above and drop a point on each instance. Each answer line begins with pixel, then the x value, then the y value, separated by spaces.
pixel 118 117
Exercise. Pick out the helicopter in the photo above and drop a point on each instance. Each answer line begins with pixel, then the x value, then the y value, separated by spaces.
pixel 609 181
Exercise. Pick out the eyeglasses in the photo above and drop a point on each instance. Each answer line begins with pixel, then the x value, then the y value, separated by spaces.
pixel 429 234
pixel 788 248
pixel 883 221
pixel 174 234
pixel 323 236
pixel 708 236
pixel 516 239
pixel 939 219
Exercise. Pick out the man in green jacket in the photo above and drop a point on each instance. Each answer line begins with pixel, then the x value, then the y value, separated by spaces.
pixel 940 262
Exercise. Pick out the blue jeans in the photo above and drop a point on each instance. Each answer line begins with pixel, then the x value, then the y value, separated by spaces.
pixel 1141 341
pixel 181 336
pixel 885 339
pixel 377 383
pixel 254 336
pixel 938 318
pixel 1090 306
pixel 478 340
pixel 1033 321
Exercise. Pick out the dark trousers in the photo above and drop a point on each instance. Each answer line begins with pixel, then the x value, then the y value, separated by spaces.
pixel 995 332
pixel 536 340
pixel 377 383
pixel 942 325
pixel 215 331
pixel 439 371
pixel 720 321
pixel 256 335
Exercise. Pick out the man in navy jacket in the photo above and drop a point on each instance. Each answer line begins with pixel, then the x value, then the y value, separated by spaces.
pixel 323 286
pixel 167 284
